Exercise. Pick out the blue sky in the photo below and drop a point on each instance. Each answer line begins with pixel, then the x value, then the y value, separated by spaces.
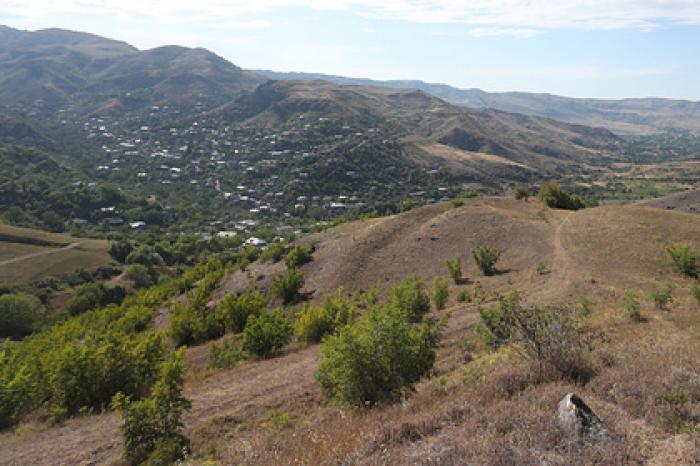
pixel 584 48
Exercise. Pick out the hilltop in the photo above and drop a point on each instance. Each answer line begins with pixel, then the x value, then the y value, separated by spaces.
pixel 479 407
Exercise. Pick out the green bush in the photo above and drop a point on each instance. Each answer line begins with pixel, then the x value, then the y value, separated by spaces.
pixel 20 315
pixel 410 298
pixel 406 205
pixel 145 255
pixel 521 193
pixel 454 267
pixel 632 306
pixel 140 275
pixel 226 353
pixel 684 259
pixel 497 321
pixel 94 295
pixel 274 252
pixel 663 297
pixel 234 309
pixel 376 359
pixel 266 334
pixel 287 285
pixel 120 250
pixel 556 198
pixel 440 293
pixel 464 296
pixel 298 256
pixel 152 428
pixel 315 322
pixel 486 258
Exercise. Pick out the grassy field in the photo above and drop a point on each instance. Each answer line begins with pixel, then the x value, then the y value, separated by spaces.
pixel 28 255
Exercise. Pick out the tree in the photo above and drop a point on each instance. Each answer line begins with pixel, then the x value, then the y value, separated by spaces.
pixel 233 311
pixel 266 334
pixel 152 428
pixel 378 358
pixel 139 275
pixel 315 322
pixel 298 256
pixel 410 298
pixel 556 198
pixel 120 250
pixel 454 267
pixel 287 285
pixel 521 193
pixel 52 222
pixel 20 315
pixel 486 258
pixel 440 293
pixel 145 255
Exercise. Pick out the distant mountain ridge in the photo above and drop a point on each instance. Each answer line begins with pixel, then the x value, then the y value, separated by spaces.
pixel 82 72
pixel 626 116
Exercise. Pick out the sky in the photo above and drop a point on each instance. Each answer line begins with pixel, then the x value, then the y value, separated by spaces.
pixel 578 48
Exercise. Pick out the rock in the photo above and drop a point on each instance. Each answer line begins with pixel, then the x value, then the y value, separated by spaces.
pixel 578 418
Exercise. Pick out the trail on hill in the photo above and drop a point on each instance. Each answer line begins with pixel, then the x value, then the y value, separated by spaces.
pixel 37 254
pixel 561 261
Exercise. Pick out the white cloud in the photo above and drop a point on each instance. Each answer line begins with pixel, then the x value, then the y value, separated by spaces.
pixel 512 32
pixel 505 15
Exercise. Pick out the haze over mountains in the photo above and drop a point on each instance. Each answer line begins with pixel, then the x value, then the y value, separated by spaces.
pixel 627 116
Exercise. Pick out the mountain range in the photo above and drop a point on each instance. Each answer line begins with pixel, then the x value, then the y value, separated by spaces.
pixel 626 116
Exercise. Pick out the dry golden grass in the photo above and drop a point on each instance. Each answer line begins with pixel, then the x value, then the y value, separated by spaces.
pixel 479 407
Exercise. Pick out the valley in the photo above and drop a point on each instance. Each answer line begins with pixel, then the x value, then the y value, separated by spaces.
pixel 203 264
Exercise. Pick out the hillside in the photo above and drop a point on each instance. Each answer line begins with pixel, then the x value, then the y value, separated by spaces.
pixel 29 255
pixel 628 116
pixel 423 121
pixel 56 69
pixel 480 407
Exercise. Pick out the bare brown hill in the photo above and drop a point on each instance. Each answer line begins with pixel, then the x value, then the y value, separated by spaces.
pixel 481 408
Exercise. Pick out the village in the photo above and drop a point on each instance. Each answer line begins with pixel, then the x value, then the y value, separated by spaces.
pixel 289 179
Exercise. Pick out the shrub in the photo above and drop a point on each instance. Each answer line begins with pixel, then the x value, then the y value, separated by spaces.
pixel 120 250
pixel 464 296
pixel 94 295
pixel 139 274
pixel 440 293
pixel 287 285
pixel 298 256
pixel 376 359
pixel 274 252
pixel 152 428
pixel 486 258
pixel 521 193
pixel 497 321
pixel 233 311
pixel 145 255
pixel 556 339
pixel 410 298
pixel 556 198
pixel 315 322
pixel 542 268
pixel 266 334
pixel 684 259
pixel 632 306
pixel 226 353
pixel 695 290
pixel 20 315
pixel 454 267
pixel 406 205
pixel 663 297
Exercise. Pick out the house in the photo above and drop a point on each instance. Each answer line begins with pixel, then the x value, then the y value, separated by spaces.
pixel 138 225
pixel 257 242
pixel 226 234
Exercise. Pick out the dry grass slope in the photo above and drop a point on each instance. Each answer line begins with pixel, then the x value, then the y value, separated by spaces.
pixel 480 407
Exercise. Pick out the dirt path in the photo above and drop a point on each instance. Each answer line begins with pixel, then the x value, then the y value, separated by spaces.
pixel 95 439
pixel 561 262
pixel 38 254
